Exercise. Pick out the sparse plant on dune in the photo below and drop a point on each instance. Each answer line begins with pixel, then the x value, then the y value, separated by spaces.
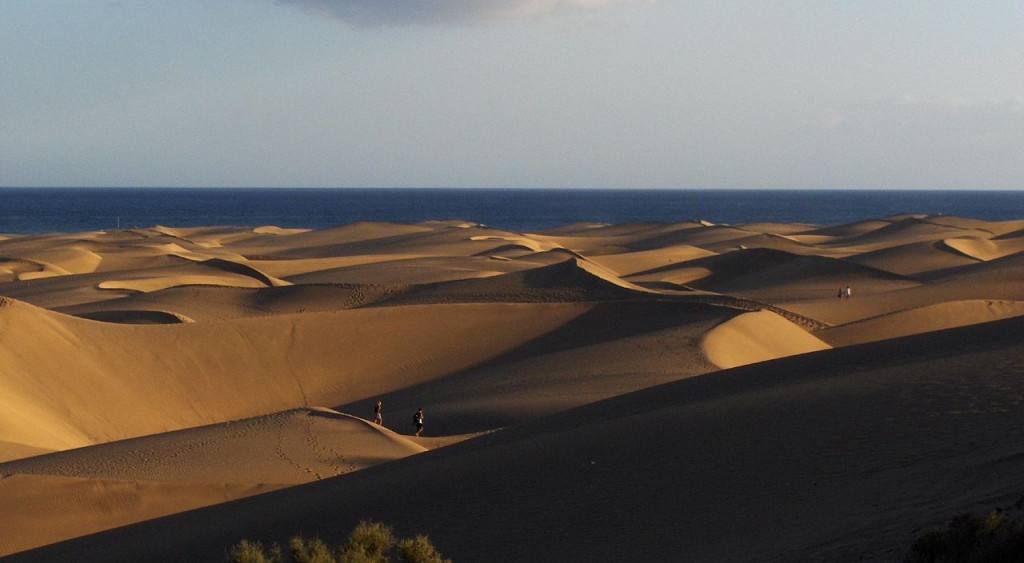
pixel 369 542
pixel 310 551
pixel 971 539
pixel 420 550
pixel 247 551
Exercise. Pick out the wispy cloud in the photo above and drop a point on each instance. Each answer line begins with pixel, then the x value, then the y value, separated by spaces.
pixel 429 12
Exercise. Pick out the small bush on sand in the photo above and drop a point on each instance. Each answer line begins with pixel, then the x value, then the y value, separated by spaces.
pixel 419 550
pixel 971 539
pixel 310 551
pixel 369 542
pixel 246 551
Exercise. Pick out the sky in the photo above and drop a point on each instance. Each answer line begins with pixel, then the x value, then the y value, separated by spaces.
pixel 512 93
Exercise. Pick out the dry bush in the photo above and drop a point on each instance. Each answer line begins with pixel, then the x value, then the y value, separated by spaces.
pixel 369 542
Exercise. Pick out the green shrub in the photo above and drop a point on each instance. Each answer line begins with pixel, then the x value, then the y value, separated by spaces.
pixel 369 542
pixel 971 539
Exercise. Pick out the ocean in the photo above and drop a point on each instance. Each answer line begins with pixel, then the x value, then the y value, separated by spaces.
pixel 49 210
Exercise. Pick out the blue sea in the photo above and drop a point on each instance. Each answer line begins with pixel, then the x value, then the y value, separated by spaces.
pixel 47 210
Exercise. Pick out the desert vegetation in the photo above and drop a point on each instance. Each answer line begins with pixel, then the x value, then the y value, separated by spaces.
pixel 369 542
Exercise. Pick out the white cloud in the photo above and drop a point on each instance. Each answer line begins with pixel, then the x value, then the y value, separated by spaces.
pixel 405 12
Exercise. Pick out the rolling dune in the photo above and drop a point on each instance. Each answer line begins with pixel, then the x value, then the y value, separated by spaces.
pixel 685 391
pixel 131 380
pixel 814 457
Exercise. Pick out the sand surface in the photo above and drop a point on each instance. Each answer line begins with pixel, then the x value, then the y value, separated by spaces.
pixel 688 391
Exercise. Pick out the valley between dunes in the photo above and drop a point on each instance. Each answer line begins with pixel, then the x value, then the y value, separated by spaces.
pixel 665 392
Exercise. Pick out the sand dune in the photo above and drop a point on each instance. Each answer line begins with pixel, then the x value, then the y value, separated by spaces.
pixel 412 270
pixel 37 510
pixel 911 229
pixel 643 261
pixel 295 446
pixel 292 268
pixel 525 242
pixel 687 390
pixel 921 319
pixel 210 271
pixel 14 269
pixel 778 275
pixel 914 259
pixel 616 239
pixel 185 470
pixel 757 337
pixel 848 230
pixel 199 303
pixel 19 451
pixel 822 453
pixel 985 249
pixel 169 377
pixel 136 316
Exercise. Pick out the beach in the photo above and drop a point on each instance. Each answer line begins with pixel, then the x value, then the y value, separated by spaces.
pixel 667 391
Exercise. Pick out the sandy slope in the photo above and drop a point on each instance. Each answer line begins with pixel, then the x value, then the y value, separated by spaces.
pixel 291 447
pixel 150 371
pixel 37 510
pixel 839 455
pixel 76 492
pixel 920 319
pixel 130 380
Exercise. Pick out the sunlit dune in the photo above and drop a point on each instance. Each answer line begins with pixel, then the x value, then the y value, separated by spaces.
pixel 640 262
pixel 290 447
pixel 528 243
pixel 986 249
pixel 757 337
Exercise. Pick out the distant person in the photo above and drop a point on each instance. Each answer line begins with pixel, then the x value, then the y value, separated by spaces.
pixel 847 292
pixel 417 421
pixel 841 293
pixel 378 413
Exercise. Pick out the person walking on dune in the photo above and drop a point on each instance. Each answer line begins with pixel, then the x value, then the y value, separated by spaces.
pixel 378 413
pixel 417 421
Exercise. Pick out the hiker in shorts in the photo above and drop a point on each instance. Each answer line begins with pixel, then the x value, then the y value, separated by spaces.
pixel 378 417
pixel 417 421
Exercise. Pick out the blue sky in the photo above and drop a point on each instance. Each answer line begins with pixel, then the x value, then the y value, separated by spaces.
pixel 512 93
